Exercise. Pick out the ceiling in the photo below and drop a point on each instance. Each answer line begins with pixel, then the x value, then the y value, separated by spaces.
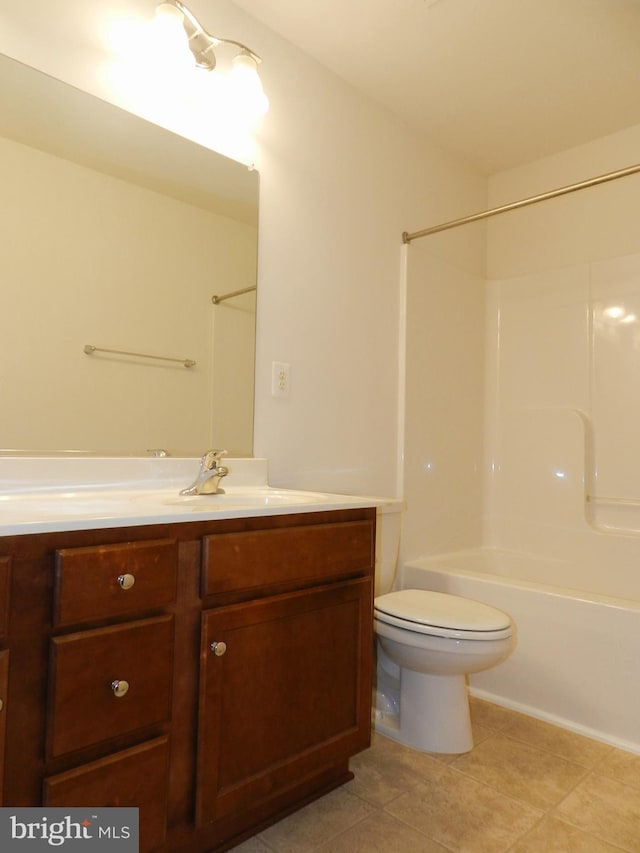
pixel 497 82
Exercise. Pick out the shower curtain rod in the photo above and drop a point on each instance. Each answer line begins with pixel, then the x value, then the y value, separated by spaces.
pixel 514 205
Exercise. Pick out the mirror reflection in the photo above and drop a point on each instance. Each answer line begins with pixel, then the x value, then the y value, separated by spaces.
pixel 116 236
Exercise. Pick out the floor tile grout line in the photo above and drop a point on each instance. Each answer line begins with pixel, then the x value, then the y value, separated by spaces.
pixel 585 772
pixel 493 789
pixel 342 831
pixel 571 791
pixel 445 846
pixel 547 809
pixel 546 816
pixel 597 835
pixel 452 766
pixel 423 834
pixel 379 810
pixel 609 747
pixel 364 817
pixel 556 753
pixel 263 840
pixel 550 811
pixel 539 720
pixel 505 732
pixel 333 837
pixel 527 832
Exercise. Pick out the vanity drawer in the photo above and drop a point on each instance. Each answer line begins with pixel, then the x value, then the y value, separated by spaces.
pixel 5 589
pixel 109 682
pixel 264 558
pixel 102 582
pixel 135 778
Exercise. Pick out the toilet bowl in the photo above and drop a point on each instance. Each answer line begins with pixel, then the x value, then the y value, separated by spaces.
pixel 427 643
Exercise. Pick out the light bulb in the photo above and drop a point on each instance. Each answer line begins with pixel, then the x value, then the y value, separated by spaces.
pixel 169 36
pixel 246 86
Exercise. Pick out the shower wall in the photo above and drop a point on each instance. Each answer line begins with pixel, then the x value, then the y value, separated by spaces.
pixel 562 362
pixel 521 374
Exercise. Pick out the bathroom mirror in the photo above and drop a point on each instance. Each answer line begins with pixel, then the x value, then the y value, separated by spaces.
pixel 116 234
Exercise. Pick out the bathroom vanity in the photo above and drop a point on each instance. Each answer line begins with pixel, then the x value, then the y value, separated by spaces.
pixel 213 671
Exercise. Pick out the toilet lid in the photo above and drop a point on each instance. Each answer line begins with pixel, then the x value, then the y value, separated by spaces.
pixel 420 609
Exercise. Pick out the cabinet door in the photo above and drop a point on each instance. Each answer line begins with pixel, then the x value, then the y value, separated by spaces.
pixel 289 693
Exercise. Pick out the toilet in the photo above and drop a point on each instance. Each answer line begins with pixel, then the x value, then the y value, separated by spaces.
pixel 427 643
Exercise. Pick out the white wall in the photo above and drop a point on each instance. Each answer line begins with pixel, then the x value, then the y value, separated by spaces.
pixel 340 180
pixel 444 394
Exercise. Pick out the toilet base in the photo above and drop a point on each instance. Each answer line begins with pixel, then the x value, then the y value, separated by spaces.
pixel 434 714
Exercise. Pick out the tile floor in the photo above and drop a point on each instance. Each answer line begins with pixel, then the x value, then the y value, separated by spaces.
pixel 526 787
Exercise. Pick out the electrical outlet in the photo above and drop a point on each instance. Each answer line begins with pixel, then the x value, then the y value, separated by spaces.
pixel 280 379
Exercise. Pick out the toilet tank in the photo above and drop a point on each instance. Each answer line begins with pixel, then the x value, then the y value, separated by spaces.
pixel 388 530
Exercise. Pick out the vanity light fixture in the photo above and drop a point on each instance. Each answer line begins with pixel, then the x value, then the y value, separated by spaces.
pixel 244 76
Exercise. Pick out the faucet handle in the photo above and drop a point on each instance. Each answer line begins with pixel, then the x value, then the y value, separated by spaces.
pixel 210 459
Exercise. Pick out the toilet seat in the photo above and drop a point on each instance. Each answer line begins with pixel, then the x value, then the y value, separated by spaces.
pixel 442 615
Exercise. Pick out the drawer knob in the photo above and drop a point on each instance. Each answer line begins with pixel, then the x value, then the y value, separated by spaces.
pixel 126 581
pixel 218 648
pixel 120 688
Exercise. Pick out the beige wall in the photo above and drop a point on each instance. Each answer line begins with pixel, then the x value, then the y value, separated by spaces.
pixel 234 325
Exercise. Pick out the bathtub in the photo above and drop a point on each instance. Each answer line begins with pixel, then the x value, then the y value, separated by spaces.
pixel 577 659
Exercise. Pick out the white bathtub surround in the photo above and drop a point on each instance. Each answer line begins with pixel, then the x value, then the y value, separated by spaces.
pixel 576 662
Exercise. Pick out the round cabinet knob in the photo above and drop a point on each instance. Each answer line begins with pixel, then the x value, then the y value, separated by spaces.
pixel 1 705
pixel 120 688
pixel 126 581
pixel 218 648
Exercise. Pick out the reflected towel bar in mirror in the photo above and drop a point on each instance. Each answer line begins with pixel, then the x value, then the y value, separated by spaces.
pixel 217 299
pixel 90 349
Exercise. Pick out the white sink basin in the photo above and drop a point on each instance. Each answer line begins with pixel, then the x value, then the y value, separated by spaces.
pixel 62 504
pixel 249 498
pixel 136 505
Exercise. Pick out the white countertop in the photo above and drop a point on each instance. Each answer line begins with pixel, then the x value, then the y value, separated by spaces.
pixel 48 494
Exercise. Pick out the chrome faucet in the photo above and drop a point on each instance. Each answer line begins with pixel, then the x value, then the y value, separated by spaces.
pixel 208 480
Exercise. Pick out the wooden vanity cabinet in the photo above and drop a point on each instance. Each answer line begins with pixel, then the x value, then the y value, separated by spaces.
pixel 215 674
